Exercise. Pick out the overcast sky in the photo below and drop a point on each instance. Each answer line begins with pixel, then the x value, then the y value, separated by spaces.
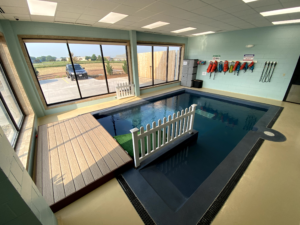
pixel 60 49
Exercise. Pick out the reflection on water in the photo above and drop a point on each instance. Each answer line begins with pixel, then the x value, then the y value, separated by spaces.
pixel 221 125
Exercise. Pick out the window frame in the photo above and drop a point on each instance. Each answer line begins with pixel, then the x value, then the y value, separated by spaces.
pixel 167 59
pixel 71 41
pixel 18 128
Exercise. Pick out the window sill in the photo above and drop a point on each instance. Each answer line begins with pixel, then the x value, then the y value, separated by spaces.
pixel 159 85
pixel 80 101
pixel 23 145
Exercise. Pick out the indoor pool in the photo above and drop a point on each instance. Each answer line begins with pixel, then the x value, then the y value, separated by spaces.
pixel 200 175
pixel 221 126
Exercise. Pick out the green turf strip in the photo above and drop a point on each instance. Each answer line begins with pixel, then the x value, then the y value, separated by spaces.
pixel 125 141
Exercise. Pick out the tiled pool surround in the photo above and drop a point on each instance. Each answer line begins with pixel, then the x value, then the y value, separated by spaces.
pixel 203 199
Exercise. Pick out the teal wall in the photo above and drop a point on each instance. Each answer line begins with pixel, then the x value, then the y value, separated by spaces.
pixel 20 200
pixel 277 43
pixel 11 29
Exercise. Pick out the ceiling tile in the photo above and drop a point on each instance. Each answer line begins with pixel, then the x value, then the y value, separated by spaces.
pixel 174 2
pixel 42 18
pixel 67 15
pixel 95 12
pixel 269 8
pixel 278 18
pixel 124 23
pixel 291 4
pixel 144 13
pixel 192 5
pixel 257 4
pixel 295 16
pixel 246 12
pixel 16 10
pixel 84 3
pixel 237 8
pixel 133 18
pixel 15 3
pixel 128 10
pixel 138 3
pixel 211 1
pixel 69 8
pixel 158 7
pixel 103 5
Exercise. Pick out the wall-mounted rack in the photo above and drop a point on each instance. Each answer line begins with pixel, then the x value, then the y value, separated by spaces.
pixel 249 61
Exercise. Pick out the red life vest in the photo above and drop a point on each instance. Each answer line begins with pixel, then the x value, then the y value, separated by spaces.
pixel 235 65
pixel 209 66
pixel 214 67
pixel 225 68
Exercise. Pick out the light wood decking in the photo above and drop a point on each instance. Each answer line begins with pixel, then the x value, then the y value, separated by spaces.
pixel 75 156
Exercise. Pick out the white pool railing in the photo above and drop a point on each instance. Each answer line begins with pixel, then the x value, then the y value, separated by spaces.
pixel 177 126
pixel 124 90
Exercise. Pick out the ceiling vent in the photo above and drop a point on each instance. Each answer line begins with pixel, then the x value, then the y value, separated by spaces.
pixel 1 10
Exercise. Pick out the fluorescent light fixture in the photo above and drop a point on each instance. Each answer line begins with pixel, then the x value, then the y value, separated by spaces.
pixel 286 22
pixel 281 11
pixel 247 1
pixel 203 33
pixel 155 25
pixel 183 30
pixel 42 8
pixel 112 17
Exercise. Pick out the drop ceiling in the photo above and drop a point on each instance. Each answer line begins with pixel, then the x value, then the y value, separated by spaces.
pixel 204 15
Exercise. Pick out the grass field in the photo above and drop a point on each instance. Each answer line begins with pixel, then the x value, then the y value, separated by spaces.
pixel 64 63
pixel 91 68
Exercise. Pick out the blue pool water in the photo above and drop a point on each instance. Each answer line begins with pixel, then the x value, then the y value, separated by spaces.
pixel 221 126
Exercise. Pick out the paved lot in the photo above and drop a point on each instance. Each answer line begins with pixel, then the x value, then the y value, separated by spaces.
pixel 63 89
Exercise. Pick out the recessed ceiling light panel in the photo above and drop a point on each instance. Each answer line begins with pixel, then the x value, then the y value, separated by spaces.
pixel 112 17
pixel 203 33
pixel 183 30
pixel 155 25
pixel 286 22
pixel 281 11
pixel 42 8
pixel 247 1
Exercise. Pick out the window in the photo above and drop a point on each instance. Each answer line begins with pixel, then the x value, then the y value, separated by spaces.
pixel 11 115
pixel 73 70
pixel 165 61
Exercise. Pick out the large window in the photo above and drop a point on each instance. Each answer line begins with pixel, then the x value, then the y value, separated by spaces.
pixel 11 115
pixel 72 70
pixel 158 64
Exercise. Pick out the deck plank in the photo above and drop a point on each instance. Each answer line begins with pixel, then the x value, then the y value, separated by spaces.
pixel 39 160
pixel 85 170
pixel 86 151
pixel 47 173
pixel 107 158
pixel 97 156
pixel 57 179
pixel 96 128
pixel 76 172
pixel 114 144
pixel 67 177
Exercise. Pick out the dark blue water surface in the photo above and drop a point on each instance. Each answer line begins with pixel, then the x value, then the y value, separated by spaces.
pixel 221 126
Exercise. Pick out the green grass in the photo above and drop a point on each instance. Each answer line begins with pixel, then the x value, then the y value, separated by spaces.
pixel 64 63
pixel 125 141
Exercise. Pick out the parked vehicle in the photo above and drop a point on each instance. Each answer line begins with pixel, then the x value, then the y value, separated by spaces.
pixel 80 72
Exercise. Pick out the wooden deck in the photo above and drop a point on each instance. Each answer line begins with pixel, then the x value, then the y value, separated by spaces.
pixel 74 157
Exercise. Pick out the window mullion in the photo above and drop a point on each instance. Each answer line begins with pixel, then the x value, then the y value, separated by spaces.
pixel 9 113
pixel 104 68
pixel 71 60
pixel 167 65
pixel 152 65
